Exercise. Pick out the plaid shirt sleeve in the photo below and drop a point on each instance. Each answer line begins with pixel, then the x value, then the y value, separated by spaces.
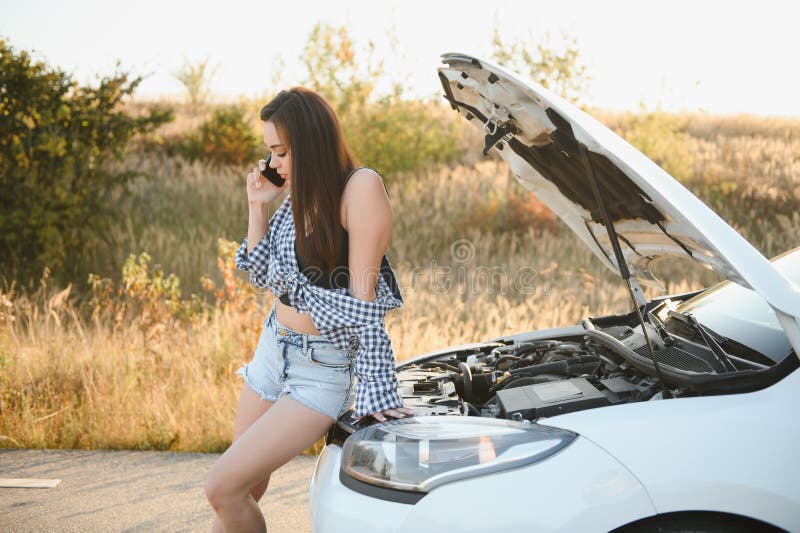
pixel 256 262
pixel 376 385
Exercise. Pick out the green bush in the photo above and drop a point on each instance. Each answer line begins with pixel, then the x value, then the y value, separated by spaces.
pixel 56 140
pixel 403 135
pixel 389 133
pixel 560 70
pixel 226 137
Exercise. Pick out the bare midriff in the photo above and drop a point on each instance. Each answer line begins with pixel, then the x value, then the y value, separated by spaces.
pixel 289 316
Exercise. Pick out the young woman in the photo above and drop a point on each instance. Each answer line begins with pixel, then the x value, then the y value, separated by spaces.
pixel 324 347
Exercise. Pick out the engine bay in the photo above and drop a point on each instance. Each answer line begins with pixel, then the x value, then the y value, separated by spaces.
pixel 523 380
pixel 590 366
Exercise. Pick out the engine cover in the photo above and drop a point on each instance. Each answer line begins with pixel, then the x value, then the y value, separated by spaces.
pixel 550 399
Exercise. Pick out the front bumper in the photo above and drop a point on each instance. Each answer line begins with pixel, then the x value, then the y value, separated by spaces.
pixel 581 488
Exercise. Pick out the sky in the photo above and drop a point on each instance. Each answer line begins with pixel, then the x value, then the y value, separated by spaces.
pixel 712 56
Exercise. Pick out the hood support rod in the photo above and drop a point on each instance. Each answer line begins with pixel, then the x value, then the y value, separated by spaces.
pixel 635 290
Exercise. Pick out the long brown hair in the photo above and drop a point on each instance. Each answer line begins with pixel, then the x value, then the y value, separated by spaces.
pixel 321 159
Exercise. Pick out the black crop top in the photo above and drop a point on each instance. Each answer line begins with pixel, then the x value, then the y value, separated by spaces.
pixel 340 277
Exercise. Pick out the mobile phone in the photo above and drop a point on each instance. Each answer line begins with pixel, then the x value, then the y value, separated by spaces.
pixel 272 175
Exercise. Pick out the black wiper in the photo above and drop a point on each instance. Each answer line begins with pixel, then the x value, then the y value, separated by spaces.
pixel 708 336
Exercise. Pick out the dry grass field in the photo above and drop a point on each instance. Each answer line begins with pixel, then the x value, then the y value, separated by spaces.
pixel 147 365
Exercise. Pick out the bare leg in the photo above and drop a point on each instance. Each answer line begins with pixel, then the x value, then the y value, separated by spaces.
pixel 279 435
pixel 251 407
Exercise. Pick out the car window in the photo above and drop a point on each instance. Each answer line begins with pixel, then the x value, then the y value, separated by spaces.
pixel 742 315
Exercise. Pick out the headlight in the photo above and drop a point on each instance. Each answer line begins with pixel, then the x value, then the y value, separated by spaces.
pixel 420 453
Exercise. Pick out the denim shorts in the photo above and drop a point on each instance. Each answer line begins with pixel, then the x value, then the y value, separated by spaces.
pixel 308 368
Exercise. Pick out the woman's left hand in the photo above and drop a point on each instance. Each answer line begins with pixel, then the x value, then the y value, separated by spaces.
pixel 397 412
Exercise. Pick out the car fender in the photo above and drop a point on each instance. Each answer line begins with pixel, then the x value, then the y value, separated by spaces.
pixel 734 453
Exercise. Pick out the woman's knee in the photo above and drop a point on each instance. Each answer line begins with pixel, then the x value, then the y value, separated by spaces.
pixel 222 491
pixel 216 491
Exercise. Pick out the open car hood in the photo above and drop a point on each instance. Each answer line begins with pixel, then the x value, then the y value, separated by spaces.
pixel 540 135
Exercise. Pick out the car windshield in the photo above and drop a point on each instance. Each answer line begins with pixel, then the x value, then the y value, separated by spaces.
pixel 742 315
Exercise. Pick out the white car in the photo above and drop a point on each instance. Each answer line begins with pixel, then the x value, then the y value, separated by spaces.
pixel 679 416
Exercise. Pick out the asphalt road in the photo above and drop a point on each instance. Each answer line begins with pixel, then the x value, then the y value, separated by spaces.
pixel 135 491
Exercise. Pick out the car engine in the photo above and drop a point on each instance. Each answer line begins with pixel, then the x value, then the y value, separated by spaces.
pixel 523 380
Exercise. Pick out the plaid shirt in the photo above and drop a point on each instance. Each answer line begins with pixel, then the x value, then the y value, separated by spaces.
pixel 349 323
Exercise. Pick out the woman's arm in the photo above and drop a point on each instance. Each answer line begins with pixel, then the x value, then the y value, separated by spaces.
pixel 253 254
pixel 258 223
pixel 369 227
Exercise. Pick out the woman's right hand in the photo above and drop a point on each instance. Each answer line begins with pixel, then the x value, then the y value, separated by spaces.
pixel 259 189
